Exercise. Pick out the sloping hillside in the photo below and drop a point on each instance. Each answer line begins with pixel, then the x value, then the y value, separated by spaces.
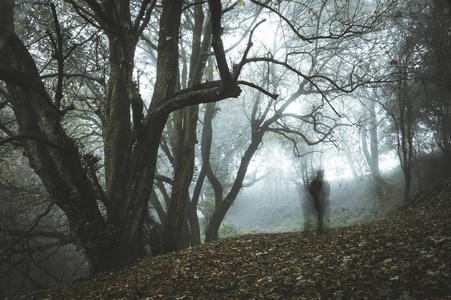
pixel 406 256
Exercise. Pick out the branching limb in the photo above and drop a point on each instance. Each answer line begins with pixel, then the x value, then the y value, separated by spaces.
pixel 203 93
pixel 105 20
pixel 300 36
pixel 59 56
pixel 30 137
pixel 218 47
pixel 74 75
pixel 144 16
pixel 85 14
pixel 286 131
pixel 237 68
pixel 260 89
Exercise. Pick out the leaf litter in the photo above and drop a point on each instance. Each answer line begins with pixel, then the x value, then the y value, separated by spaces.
pixel 404 256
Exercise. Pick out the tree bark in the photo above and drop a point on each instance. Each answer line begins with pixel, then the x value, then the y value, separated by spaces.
pixel 130 148
pixel 185 138
pixel 211 234
pixel 184 166
pixel 405 145
pixel 6 20
pixel 59 166
pixel 372 156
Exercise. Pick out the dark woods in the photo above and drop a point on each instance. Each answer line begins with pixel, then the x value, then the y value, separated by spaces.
pixel 130 128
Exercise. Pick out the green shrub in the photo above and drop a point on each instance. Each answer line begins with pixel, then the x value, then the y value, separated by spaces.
pixel 228 229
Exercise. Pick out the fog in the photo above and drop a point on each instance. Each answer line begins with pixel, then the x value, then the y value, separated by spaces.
pixel 136 128
pixel 274 203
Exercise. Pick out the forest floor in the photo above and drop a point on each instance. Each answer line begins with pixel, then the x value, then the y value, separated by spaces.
pixel 404 256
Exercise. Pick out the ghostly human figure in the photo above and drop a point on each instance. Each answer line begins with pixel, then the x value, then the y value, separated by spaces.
pixel 319 189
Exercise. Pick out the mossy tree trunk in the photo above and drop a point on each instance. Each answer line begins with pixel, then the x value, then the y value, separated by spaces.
pixel 130 148
pixel 179 228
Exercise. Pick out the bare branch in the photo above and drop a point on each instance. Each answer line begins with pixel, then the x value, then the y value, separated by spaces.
pixel 101 16
pixel 252 85
pixel 144 16
pixel 30 137
pixel 203 93
pixel 300 36
pixel 74 75
pixel 218 47
pixel 58 54
pixel 237 68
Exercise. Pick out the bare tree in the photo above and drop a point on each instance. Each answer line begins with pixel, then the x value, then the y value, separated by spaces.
pixel 105 197
pixel 129 148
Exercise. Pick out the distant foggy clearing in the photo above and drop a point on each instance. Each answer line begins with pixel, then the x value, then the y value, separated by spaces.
pixel 264 208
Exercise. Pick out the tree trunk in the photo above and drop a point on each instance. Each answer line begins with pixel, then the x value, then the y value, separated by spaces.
pixel 6 20
pixel 194 226
pixel 130 151
pixel 116 132
pixel 181 210
pixel 55 157
pixel 372 156
pixel 130 158
pixel 174 238
pixel 350 158
pixel 211 233
pixel 406 123
pixel 407 183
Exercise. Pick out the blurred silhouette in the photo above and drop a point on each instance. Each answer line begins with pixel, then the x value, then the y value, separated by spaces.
pixel 319 205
